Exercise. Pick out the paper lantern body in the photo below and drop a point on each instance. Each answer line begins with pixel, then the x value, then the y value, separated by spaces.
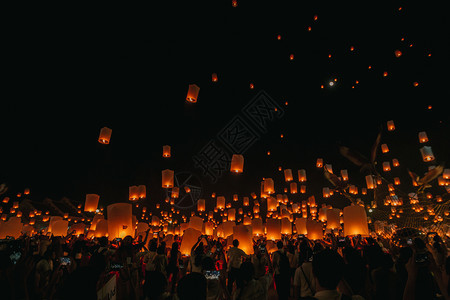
pixel 91 202
pixel 201 205
pixel 314 229
pixel 272 204
pixel 244 234
pixel 293 187
pixel 192 93
pixel 79 228
pixel 52 220
pixel 286 226
pixel 288 175
pixel 59 227
pixel 257 227
pixel 300 225
pixel 333 218
pixel 12 227
pixel 269 186
pixel 355 221
pixel 237 163
pixel 231 214
pixel 370 182
pixel 423 138
pixel 142 191
pixel 133 193
pixel 155 221
pixel 167 178
pixel 302 175
pixel 95 220
pixel 209 228
pixel 427 153
pixel 105 135
pixel 196 223
pixel 273 227
pixel 190 237
pixel 323 214
pixel 390 124
pixel 220 202
pixel 166 151
pixel 228 228
pixel 120 220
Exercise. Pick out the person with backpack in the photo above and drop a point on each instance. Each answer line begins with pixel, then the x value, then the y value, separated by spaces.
pixel 282 271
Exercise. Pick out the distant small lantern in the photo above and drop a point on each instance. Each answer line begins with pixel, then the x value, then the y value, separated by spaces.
pixel 384 148
pixel 386 166
pixel 269 186
pixel 237 163
pixel 390 125
pixel 370 182
pixel 201 205
pixel 105 135
pixel 192 93
pixel 166 151
pixel 302 175
pixel 398 53
pixel 288 175
pixel 214 77
pixel 344 175
pixel 427 153
pixel 167 178
pixel 423 138
pixel 293 187
pixel 395 162
pixel 319 163
pixel 133 193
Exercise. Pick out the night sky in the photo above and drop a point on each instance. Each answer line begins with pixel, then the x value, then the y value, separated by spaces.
pixel 71 71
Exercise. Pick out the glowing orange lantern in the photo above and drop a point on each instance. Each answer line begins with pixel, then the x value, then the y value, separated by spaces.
pixel 423 138
pixel 427 153
pixel 190 237
pixel 192 93
pixel 333 219
pixel 120 220
pixel 395 162
pixel 133 193
pixel 166 151
pixel 167 178
pixel 386 166
pixel 355 221
pixel 220 202
pixel 390 125
pixel 237 163
pixel 293 187
pixel 214 77
pixel 105 135
pixel 398 53
pixel 272 204
pixel 268 186
pixel 201 205
pixel 319 163
pixel 384 148
pixel 91 202
pixel 288 175
pixel 314 229
pixel 301 175
pixel 273 227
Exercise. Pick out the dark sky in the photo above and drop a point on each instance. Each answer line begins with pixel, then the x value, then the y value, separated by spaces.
pixel 72 70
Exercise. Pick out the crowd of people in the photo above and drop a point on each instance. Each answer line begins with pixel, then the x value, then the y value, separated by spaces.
pixel 74 267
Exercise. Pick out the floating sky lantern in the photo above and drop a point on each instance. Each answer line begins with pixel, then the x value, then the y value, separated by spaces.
pixel 273 227
pixel 167 178
pixel 220 204
pixel 384 148
pixel 314 229
pixel 302 175
pixel 91 202
pixel 423 138
pixel 398 53
pixel 105 135
pixel 288 175
pixel 133 193
pixel 120 220
pixel 166 151
pixel 192 93
pixel 214 77
pixel 355 221
pixel 319 163
pixel 427 153
pixel 237 163
pixel 201 205
pixel 390 125
pixel 269 186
